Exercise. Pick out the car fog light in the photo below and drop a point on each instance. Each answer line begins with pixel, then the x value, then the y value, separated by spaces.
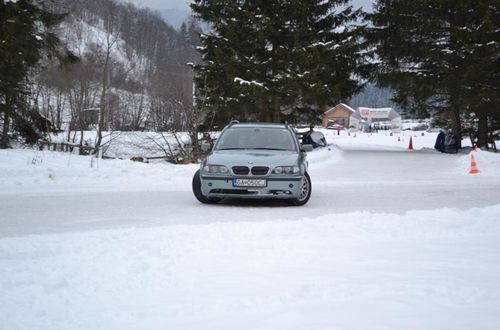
pixel 210 184
pixel 291 185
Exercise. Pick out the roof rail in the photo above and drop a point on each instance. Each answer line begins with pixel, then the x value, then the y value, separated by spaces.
pixel 233 122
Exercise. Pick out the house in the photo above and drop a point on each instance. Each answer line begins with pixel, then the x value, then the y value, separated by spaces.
pixel 339 114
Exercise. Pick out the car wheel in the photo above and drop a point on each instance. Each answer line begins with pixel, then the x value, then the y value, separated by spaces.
pixel 197 191
pixel 305 192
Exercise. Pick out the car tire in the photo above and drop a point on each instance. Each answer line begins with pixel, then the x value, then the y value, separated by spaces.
pixel 196 185
pixel 306 189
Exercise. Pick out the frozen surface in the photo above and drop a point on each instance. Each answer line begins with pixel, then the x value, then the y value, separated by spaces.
pixel 391 239
pixel 423 270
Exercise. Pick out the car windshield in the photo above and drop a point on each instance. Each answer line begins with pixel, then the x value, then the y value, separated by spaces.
pixel 264 138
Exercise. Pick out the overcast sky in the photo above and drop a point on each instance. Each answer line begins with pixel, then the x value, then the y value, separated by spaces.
pixel 177 11
pixel 184 4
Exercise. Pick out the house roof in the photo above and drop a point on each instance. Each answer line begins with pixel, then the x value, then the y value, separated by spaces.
pixel 340 105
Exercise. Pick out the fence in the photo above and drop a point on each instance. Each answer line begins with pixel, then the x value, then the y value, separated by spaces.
pixel 66 147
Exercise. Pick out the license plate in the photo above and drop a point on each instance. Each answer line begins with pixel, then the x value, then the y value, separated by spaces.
pixel 249 183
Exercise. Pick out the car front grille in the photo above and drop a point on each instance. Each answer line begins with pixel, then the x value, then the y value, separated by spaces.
pixel 256 170
pixel 260 170
pixel 241 170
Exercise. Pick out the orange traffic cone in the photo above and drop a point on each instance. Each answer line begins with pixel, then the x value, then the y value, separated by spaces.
pixel 410 145
pixel 473 165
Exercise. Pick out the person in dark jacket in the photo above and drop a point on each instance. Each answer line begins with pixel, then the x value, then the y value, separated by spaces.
pixel 451 143
pixel 439 145
pixel 316 139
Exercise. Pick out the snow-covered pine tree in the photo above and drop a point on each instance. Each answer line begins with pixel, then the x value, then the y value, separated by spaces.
pixel 25 34
pixel 431 52
pixel 481 38
pixel 265 59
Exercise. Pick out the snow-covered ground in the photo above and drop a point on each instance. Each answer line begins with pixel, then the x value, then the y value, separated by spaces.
pixel 384 141
pixel 391 239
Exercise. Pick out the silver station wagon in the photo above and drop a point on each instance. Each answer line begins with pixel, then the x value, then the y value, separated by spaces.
pixel 255 160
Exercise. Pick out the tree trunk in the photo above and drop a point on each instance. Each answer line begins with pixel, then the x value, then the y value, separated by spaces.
pixel 268 116
pixel 276 114
pixel 4 139
pixel 272 114
pixel 456 123
pixel 482 134
pixel 101 122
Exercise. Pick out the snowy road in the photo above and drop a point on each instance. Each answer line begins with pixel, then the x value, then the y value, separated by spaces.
pixel 361 180
pixel 390 239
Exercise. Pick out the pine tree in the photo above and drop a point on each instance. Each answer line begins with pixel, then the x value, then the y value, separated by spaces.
pixel 431 52
pixel 481 36
pixel 24 35
pixel 266 59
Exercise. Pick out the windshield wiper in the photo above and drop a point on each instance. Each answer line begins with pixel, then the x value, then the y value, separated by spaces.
pixel 231 149
pixel 271 149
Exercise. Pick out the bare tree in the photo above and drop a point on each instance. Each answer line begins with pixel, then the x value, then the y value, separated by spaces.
pixel 111 26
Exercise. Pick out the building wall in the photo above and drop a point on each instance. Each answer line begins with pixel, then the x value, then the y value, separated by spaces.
pixel 396 125
pixel 339 115
pixel 354 124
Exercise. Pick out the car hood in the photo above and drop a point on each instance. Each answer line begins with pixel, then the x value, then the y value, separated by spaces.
pixel 251 158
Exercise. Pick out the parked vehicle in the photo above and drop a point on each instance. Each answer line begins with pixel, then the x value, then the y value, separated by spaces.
pixel 420 127
pixel 255 160
pixel 335 126
pixel 435 129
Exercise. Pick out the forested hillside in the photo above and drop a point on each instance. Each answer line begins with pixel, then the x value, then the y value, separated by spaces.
pixel 75 65
pixel 132 69
pixel 376 97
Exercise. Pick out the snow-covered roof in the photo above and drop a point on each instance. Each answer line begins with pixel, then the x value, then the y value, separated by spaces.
pixel 342 105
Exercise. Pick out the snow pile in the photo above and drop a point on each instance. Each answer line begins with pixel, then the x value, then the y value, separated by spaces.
pixel 421 270
pixel 125 145
pixel 321 158
pixel 487 162
pixel 33 170
pixel 125 245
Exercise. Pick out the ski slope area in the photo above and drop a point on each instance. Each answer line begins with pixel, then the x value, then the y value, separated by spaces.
pixel 391 239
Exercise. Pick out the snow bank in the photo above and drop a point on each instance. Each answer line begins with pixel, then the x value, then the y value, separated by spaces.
pixel 422 270
pixel 487 162
pixel 383 140
pixel 322 158
pixel 165 261
pixel 30 169
pixel 130 144
pixel 34 170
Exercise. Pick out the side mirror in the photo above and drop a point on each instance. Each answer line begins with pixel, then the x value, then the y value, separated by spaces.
pixel 205 146
pixel 306 148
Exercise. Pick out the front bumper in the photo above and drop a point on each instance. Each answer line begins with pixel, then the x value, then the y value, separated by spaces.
pixel 277 187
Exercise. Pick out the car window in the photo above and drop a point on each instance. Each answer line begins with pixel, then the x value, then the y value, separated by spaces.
pixel 256 138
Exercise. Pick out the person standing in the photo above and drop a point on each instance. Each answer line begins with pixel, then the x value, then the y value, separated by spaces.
pixel 439 145
pixel 450 143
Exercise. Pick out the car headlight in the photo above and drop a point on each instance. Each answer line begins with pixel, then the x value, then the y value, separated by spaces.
pixel 286 170
pixel 214 169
